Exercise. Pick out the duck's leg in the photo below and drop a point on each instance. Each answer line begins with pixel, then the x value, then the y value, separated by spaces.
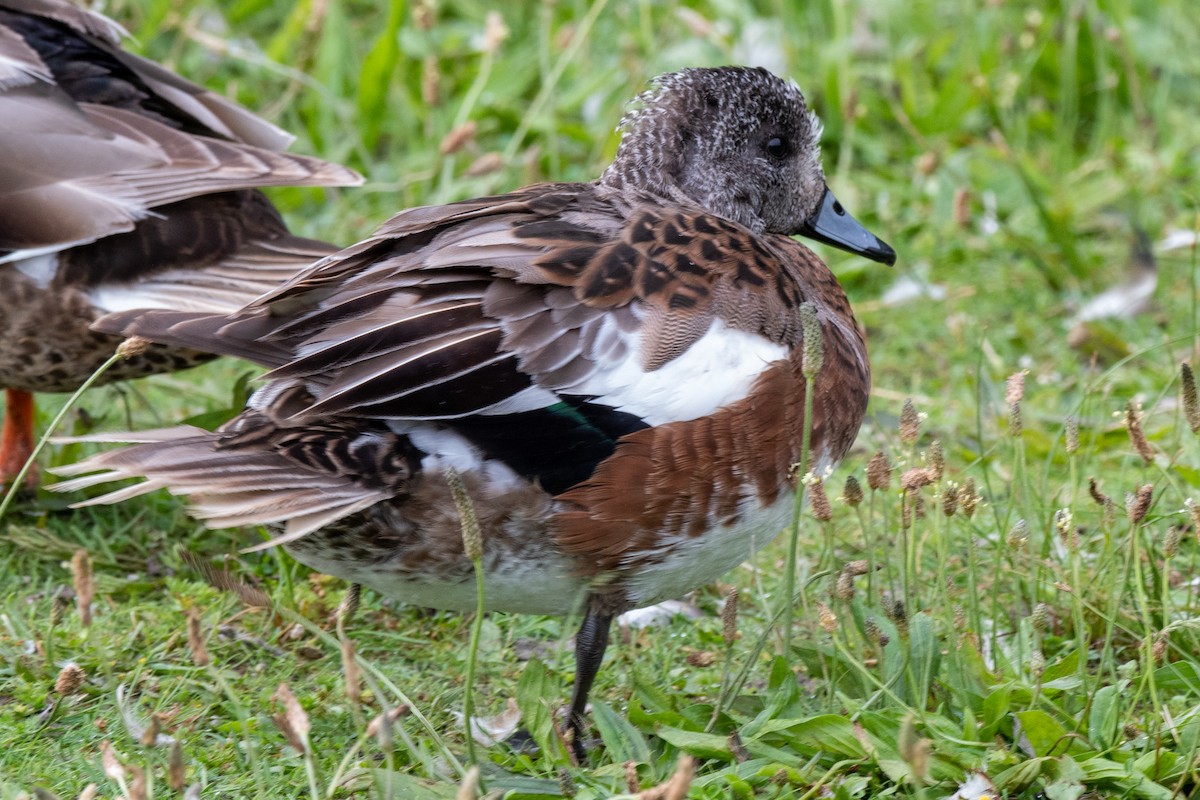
pixel 16 440
pixel 590 643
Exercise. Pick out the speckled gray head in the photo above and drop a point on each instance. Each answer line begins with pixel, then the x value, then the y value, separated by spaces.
pixel 740 142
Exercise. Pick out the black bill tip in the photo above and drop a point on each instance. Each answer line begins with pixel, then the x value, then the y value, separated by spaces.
pixel 832 224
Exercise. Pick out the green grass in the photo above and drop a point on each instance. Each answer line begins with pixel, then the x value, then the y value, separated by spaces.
pixel 1009 154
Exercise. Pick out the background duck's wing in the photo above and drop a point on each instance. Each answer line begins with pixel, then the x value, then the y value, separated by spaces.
pixel 93 139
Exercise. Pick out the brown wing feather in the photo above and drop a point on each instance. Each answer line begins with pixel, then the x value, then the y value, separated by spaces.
pixel 502 293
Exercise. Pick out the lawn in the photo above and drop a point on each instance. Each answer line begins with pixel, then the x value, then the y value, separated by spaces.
pixel 1013 594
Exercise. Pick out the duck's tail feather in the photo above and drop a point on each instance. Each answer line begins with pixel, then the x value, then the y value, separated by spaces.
pixel 225 487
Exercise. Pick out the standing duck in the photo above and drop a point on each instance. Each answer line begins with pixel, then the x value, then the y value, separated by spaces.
pixel 612 369
pixel 122 186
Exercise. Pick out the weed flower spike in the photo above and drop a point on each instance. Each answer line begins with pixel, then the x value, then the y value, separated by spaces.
pixel 879 471
pixel 822 511
pixel 936 459
pixel 1191 403
pixel 813 354
pixel 1018 535
pixel 1138 503
pixel 852 493
pixel 69 680
pixel 950 499
pixel 910 422
pixel 968 500
pixel 1133 423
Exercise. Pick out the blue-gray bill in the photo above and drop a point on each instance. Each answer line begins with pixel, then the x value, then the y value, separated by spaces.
pixel 832 224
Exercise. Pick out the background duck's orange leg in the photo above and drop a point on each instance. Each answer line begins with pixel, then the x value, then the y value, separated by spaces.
pixel 16 441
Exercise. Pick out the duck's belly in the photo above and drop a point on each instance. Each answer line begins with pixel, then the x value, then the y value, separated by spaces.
pixel 412 549
pixel 542 585
pixel 523 570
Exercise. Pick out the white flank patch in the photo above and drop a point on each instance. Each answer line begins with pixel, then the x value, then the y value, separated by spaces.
pixel 718 369
pixel 697 560
pixel 447 449
pixel 39 269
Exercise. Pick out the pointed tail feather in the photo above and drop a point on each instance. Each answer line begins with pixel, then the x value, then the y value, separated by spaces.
pixel 225 488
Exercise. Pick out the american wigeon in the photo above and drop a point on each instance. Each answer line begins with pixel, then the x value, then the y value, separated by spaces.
pixel 612 368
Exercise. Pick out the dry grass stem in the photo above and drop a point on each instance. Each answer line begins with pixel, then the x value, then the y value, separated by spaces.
pixel 293 722
pixel 458 138
pixel 176 769
pixel 351 673
pixel 632 784
pixel 226 581
pixel 81 576
pixel 469 788
pixel 195 639
pixel 676 787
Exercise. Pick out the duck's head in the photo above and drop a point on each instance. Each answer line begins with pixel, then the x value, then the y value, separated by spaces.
pixel 740 142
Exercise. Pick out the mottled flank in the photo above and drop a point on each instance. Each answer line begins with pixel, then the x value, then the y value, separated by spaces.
pixel 123 187
pixel 614 369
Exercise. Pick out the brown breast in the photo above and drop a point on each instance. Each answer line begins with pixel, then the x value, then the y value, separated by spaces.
pixel 683 477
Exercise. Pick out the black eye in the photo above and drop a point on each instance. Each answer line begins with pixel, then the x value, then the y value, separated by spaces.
pixel 776 147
